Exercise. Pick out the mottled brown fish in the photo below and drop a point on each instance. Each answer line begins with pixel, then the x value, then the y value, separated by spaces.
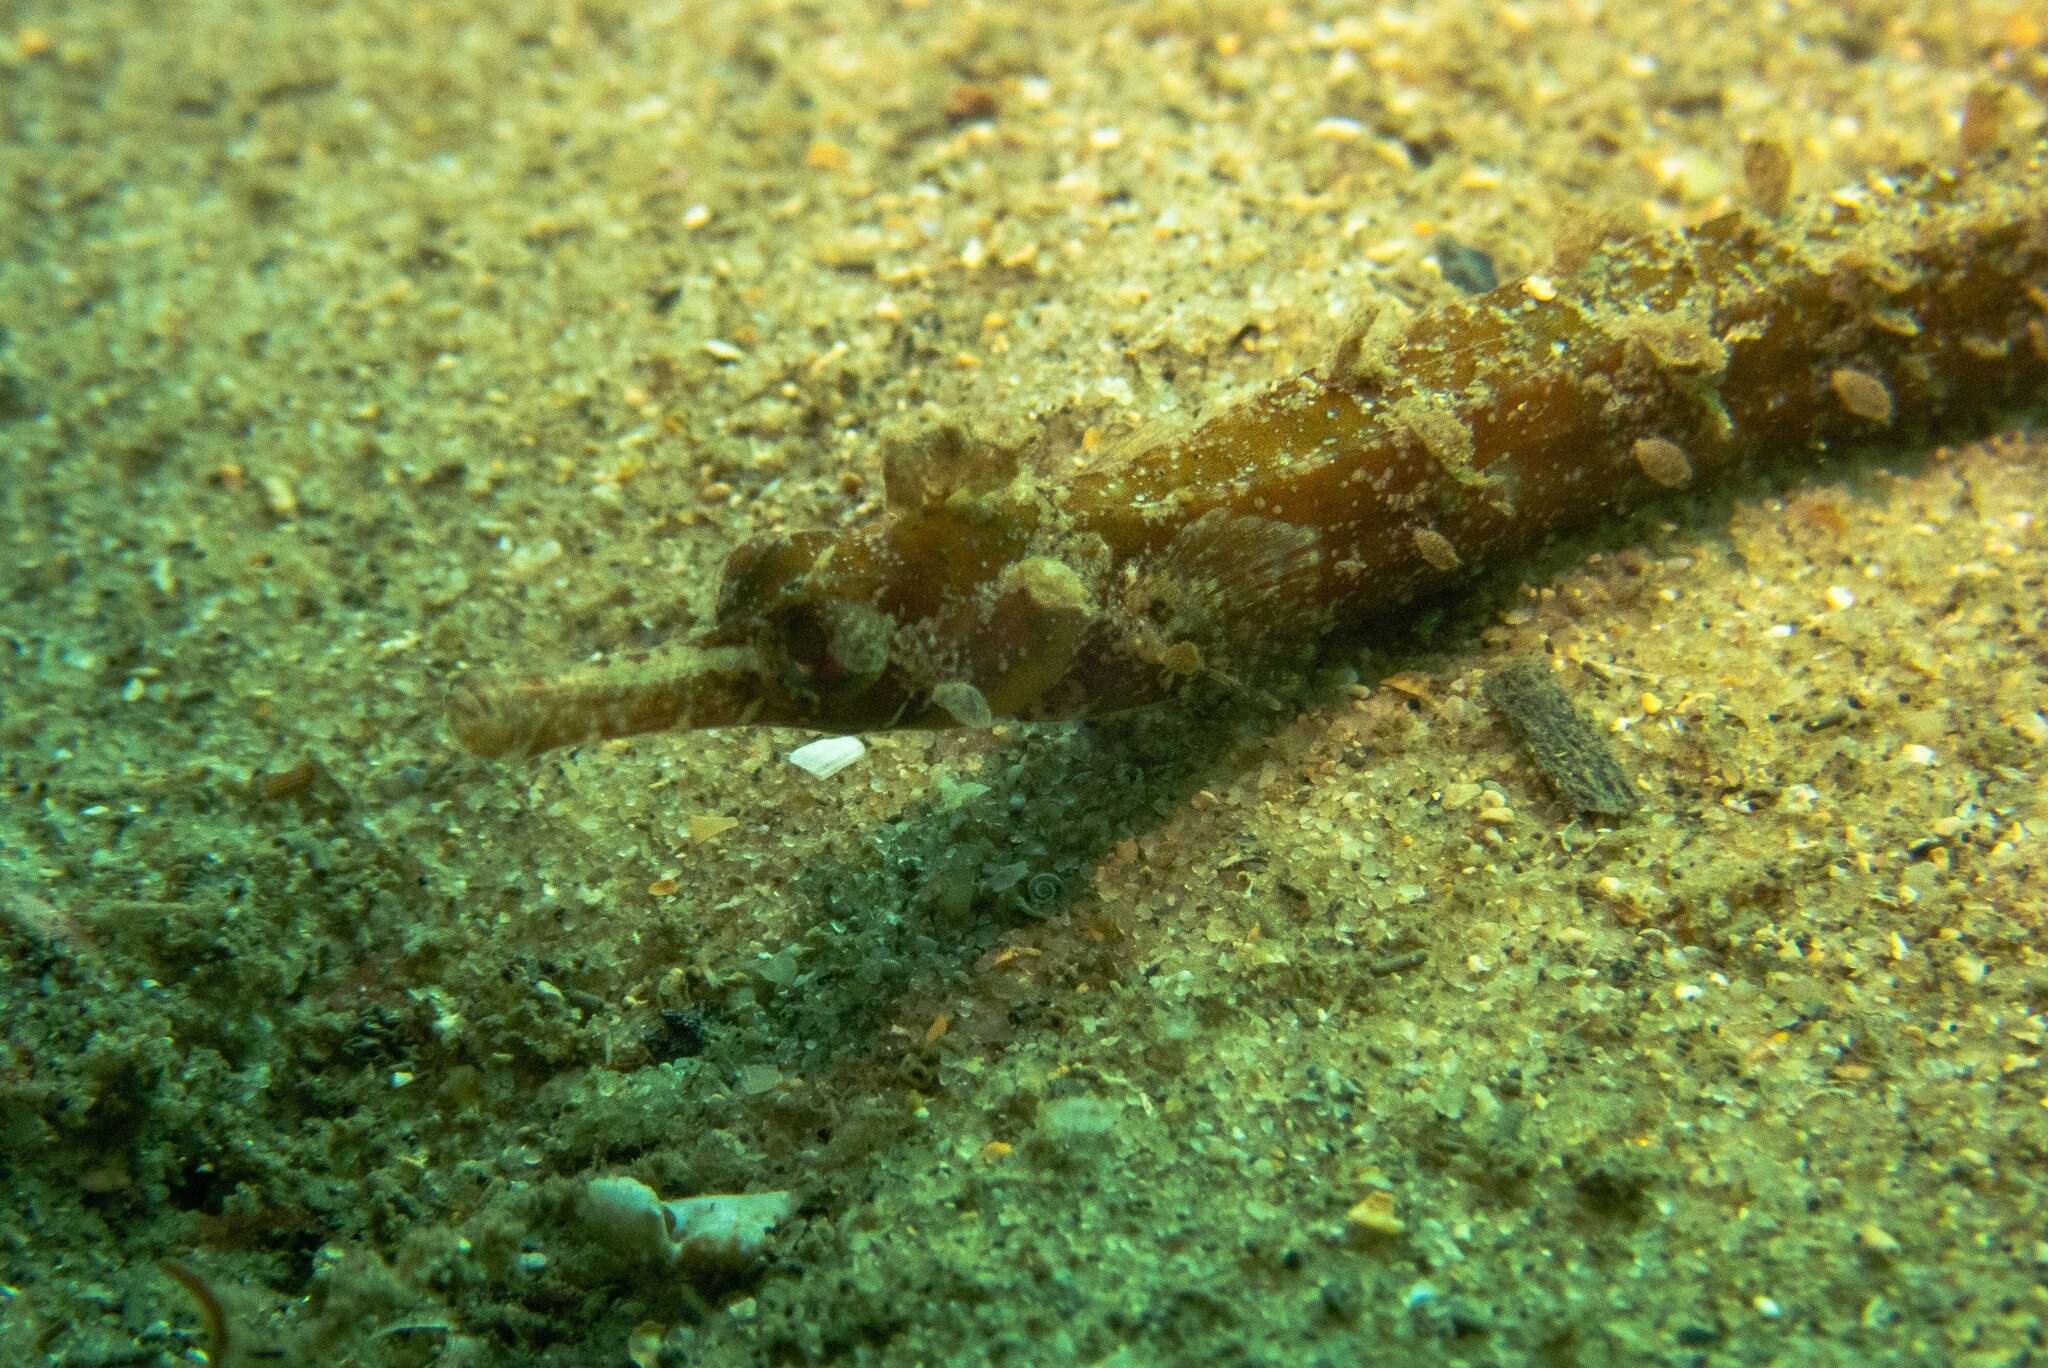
pixel 1424 450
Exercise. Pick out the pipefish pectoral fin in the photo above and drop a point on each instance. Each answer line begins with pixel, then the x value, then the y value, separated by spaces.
pixel 687 687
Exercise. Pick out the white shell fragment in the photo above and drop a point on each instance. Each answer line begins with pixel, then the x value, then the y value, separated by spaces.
pixel 827 756
pixel 724 1230
pixel 626 1215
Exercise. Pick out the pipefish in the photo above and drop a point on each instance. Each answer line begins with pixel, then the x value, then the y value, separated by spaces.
pixel 1424 450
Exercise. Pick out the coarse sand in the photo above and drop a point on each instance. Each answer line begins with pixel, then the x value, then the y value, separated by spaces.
pixel 345 347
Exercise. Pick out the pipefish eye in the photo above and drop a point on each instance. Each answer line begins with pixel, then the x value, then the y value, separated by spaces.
pixel 763 576
pixel 826 651
pixel 805 649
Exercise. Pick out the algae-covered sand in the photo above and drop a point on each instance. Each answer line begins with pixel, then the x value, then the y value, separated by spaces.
pixel 346 347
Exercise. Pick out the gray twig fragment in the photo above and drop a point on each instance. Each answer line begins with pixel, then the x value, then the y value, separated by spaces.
pixel 1560 740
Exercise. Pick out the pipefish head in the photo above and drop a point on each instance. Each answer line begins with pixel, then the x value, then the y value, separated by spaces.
pixel 943 617
pixel 783 650
pixel 809 610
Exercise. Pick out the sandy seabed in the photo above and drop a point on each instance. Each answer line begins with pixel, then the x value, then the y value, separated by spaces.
pixel 347 347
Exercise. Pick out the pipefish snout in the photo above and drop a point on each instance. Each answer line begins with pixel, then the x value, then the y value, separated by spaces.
pixel 1420 452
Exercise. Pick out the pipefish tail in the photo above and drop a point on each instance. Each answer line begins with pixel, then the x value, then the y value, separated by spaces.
pixel 1422 451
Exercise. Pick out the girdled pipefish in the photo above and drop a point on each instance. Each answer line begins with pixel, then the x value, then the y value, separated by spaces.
pixel 1422 451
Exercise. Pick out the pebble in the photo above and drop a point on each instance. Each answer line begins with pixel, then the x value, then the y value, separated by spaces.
pixel 1373 1214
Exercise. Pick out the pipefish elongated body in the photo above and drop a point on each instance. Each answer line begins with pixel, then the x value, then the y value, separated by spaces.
pixel 1423 450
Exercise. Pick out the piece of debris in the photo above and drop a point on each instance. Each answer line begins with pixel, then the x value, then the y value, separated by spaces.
pixel 828 755
pixel 1767 175
pixel 1560 740
pixel 1464 266
pixel 718 1233
pixel 1373 1217
pixel 1395 964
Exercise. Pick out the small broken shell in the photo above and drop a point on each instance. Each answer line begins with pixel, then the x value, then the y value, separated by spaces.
pixel 718 1232
pixel 625 1214
pixel 828 755
pixel 723 1230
